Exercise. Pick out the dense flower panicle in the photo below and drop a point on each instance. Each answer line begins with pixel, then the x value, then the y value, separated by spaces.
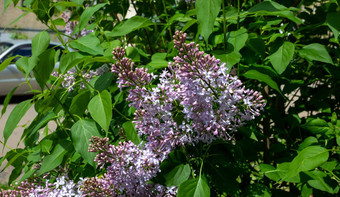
pixel 128 75
pixel 62 186
pixel 214 102
pixel 130 168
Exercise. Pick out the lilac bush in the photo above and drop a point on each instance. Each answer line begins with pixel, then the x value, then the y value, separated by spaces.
pixel 195 100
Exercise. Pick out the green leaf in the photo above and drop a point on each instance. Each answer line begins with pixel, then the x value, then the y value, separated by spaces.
pixel 102 82
pixel 32 63
pixel 308 159
pixel 46 145
pixel 81 132
pixel 86 16
pixel 131 133
pixel 14 118
pixel 257 190
pixel 15 173
pixel 281 58
pixel 23 64
pixel 178 175
pixel 88 44
pixel 237 39
pixel 207 11
pixel 4 64
pixel 6 4
pixel 333 23
pixel 307 142
pixel 306 191
pixel 34 156
pixel 323 182
pixel 317 126
pixel 270 172
pixel 98 59
pixel 100 108
pixel 330 166
pixel 316 52
pixel 282 170
pixel 66 4
pixel 257 45
pixel 6 101
pixel 59 22
pixel 15 157
pixel 130 25
pixel 274 9
pixel 132 53
pixel 56 157
pixel 43 70
pixel 79 103
pixel 40 43
pixel 230 59
pixel 334 118
pixel 189 24
pixel 48 117
pixel 197 187
pixel 253 74
pixel 158 61
pixel 66 60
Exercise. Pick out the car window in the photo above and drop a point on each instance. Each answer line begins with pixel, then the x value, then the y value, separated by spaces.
pixel 24 50
pixel 4 46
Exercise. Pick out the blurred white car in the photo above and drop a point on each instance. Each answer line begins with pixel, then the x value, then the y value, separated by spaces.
pixel 11 77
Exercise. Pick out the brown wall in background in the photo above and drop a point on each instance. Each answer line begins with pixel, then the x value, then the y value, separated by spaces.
pixel 27 22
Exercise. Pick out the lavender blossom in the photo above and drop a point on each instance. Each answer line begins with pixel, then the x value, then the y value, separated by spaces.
pixel 72 77
pixel 130 169
pixel 71 25
pixel 62 186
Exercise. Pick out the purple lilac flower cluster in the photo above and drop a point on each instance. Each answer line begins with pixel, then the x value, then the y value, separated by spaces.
pixel 62 186
pixel 195 100
pixel 71 78
pixel 70 25
pixel 131 167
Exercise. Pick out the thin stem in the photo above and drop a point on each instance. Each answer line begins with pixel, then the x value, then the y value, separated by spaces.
pixel 188 159
pixel 201 167
pixel 238 14
pixel 62 105
pixel 167 18
pixel 238 26
pixel 116 110
pixel 148 39
pixel 6 145
pixel 224 27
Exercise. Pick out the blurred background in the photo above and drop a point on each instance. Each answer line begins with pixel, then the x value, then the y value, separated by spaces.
pixel 18 30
